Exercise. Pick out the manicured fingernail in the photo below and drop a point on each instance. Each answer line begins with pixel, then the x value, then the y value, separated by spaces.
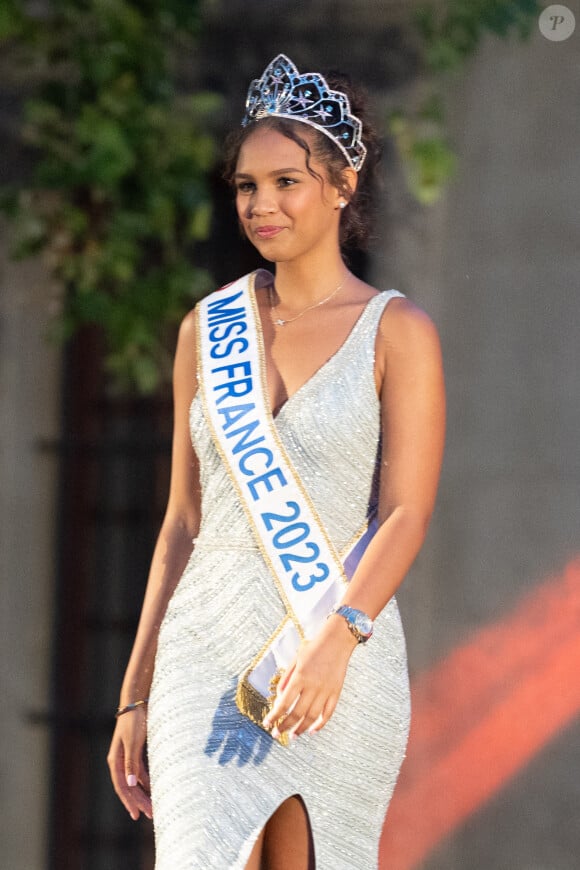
pixel 131 780
pixel 275 732
pixel 267 722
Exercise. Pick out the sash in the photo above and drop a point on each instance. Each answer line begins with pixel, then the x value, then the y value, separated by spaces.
pixel 308 572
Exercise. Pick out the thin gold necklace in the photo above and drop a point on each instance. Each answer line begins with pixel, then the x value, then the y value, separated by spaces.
pixel 280 321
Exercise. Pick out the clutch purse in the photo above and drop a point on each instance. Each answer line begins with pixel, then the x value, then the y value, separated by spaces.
pixel 254 706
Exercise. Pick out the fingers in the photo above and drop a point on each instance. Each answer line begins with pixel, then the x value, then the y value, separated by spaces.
pixel 144 778
pixel 130 778
pixel 324 717
pixel 136 772
pixel 311 723
pixel 286 677
pixel 308 692
pixel 295 714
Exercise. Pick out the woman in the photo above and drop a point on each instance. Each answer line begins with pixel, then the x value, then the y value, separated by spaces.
pixel 350 387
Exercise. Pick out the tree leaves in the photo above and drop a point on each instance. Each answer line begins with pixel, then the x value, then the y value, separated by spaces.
pixel 119 195
pixel 449 32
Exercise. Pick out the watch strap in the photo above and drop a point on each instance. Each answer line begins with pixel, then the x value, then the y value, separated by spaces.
pixel 353 619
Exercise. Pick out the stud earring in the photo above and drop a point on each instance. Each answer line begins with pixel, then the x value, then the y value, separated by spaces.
pixel 342 204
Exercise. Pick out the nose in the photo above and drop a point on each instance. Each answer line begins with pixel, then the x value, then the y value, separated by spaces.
pixel 262 203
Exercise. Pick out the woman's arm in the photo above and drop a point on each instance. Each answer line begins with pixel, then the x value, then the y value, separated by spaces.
pixel 410 382
pixel 173 549
pixel 412 392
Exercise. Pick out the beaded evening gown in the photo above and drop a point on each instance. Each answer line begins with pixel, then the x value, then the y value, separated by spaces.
pixel 216 777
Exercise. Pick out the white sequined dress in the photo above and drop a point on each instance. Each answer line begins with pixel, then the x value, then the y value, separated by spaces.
pixel 216 777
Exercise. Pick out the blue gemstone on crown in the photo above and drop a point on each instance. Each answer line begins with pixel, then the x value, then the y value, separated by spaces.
pixel 282 91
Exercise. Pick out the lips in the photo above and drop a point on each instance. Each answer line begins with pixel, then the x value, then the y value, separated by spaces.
pixel 267 232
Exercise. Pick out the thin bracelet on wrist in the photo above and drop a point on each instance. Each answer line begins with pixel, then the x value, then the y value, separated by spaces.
pixel 128 707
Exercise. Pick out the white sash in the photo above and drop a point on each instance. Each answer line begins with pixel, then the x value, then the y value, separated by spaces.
pixel 306 568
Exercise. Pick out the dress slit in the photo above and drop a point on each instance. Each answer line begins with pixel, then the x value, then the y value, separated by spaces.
pixel 251 841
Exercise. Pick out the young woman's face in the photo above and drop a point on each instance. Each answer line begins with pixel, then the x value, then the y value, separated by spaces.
pixel 285 212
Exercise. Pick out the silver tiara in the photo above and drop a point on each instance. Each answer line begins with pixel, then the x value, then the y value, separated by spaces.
pixel 284 93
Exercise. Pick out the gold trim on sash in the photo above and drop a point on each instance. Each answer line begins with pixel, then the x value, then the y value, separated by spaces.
pixel 249 700
pixel 235 483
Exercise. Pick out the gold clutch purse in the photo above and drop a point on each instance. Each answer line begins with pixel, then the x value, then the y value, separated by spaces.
pixel 254 706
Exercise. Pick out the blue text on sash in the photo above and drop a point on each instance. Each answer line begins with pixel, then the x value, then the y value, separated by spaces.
pixel 232 382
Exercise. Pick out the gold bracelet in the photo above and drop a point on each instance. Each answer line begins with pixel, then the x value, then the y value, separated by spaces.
pixel 128 707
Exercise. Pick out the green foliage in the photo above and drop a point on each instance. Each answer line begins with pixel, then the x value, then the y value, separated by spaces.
pixel 449 32
pixel 452 31
pixel 118 198
pixel 428 160
pixel 11 19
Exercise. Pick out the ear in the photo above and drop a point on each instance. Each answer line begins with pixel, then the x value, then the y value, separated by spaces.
pixel 349 183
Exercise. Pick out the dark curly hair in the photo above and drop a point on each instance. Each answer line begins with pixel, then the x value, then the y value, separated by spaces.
pixel 357 218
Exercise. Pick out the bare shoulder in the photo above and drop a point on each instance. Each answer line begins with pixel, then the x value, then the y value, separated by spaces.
pixel 187 328
pixel 185 366
pixel 405 326
pixel 407 343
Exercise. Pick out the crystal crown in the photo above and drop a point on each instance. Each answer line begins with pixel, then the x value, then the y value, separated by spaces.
pixel 285 93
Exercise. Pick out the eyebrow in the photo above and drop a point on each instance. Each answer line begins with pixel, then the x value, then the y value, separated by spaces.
pixel 274 172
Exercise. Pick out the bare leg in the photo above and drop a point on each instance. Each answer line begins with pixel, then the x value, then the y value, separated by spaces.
pixel 255 860
pixel 286 841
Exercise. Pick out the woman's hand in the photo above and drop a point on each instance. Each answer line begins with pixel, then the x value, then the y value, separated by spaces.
pixel 127 764
pixel 310 688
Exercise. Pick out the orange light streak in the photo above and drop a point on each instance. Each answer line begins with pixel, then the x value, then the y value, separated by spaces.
pixel 482 714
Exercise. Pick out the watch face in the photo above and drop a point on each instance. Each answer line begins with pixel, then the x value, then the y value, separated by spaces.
pixel 363 623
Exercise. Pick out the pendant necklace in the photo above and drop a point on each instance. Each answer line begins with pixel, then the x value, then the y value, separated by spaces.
pixel 280 321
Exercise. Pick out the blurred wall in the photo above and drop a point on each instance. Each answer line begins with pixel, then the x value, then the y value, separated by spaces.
pixel 29 415
pixel 497 264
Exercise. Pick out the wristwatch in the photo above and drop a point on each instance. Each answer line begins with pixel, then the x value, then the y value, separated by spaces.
pixel 358 622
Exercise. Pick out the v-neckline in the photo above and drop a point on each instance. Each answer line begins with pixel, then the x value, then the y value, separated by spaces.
pixel 275 413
